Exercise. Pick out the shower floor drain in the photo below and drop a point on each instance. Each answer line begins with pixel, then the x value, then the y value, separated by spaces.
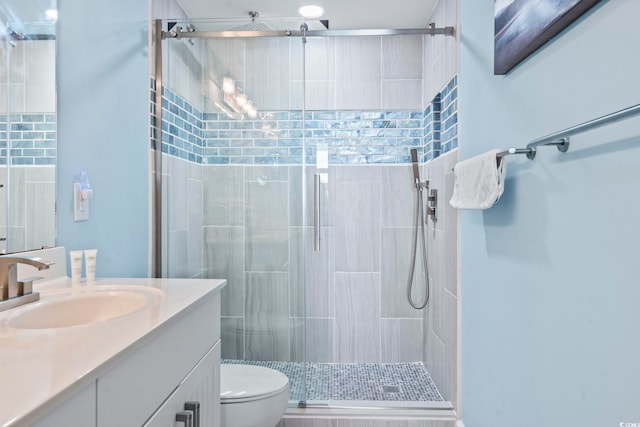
pixel 391 389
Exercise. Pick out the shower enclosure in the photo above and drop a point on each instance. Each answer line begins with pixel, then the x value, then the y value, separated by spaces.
pixel 286 170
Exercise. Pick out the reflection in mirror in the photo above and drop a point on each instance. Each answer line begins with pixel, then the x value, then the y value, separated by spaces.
pixel 27 128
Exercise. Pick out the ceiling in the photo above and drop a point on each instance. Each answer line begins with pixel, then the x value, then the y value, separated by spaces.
pixel 342 14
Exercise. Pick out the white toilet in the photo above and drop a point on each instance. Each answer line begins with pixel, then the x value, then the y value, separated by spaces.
pixel 252 396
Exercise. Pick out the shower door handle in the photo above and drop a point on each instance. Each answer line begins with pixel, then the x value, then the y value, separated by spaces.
pixel 194 407
pixel 316 212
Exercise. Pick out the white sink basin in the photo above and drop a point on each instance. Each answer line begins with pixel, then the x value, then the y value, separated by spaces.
pixel 83 307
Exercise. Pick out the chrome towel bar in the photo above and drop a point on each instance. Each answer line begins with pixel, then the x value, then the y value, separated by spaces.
pixel 561 139
pixel 562 145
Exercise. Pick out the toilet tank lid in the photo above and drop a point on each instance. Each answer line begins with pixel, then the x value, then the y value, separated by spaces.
pixel 247 381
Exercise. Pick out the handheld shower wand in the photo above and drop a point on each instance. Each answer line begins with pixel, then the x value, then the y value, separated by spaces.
pixel 419 222
pixel 416 171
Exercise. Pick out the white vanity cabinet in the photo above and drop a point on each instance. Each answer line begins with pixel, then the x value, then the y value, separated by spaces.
pixel 110 369
pixel 79 410
pixel 179 364
pixel 201 389
pixel 150 382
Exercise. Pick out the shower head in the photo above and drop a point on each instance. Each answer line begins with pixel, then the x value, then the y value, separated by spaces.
pixel 253 25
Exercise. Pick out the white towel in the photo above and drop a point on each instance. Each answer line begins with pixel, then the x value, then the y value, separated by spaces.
pixel 479 181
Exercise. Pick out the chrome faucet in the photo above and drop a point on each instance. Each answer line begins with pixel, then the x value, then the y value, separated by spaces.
pixel 11 289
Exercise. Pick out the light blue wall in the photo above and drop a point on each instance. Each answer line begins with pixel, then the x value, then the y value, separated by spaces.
pixel 550 286
pixel 103 116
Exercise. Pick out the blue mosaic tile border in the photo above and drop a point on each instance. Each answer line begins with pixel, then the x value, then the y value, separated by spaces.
pixel 32 138
pixel 350 137
pixel 432 130
pixel 182 128
pixel 449 116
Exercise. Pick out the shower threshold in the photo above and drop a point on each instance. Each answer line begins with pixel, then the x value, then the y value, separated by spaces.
pixel 353 385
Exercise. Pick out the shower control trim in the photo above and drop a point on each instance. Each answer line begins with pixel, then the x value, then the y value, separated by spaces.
pixel 432 204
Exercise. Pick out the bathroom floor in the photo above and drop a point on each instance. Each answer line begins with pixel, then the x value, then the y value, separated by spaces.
pixel 408 382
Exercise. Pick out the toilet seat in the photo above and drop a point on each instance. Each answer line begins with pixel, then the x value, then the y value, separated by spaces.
pixel 244 383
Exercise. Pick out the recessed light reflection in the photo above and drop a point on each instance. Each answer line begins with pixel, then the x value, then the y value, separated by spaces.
pixel 52 14
pixel 311 11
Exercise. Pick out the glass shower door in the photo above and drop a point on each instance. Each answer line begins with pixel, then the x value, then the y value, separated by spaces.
pixel 287 172
pixel 243 204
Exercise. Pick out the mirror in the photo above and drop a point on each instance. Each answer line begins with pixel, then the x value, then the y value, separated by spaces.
pixel 27 125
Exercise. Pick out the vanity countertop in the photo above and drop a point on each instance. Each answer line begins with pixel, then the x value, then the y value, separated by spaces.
pixel 40 368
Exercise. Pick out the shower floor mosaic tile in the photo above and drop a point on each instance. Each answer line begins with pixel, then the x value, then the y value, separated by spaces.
pixel 407 382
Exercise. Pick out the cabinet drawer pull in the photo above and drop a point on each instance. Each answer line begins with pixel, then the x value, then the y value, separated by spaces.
pixel 185 417
pixel 195 408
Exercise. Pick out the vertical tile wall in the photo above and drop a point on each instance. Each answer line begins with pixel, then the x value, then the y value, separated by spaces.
pixel 371 207
pixel 355 299
pixel 440 59
pixel 342 73
pixel 183 199
pixel 29 82
pixel 359 313
pixel 440 331
pixel 357 309
pixel 440 321
pixel 32 206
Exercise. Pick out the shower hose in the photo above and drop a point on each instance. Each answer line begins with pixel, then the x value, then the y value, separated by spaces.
pixel 419 223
